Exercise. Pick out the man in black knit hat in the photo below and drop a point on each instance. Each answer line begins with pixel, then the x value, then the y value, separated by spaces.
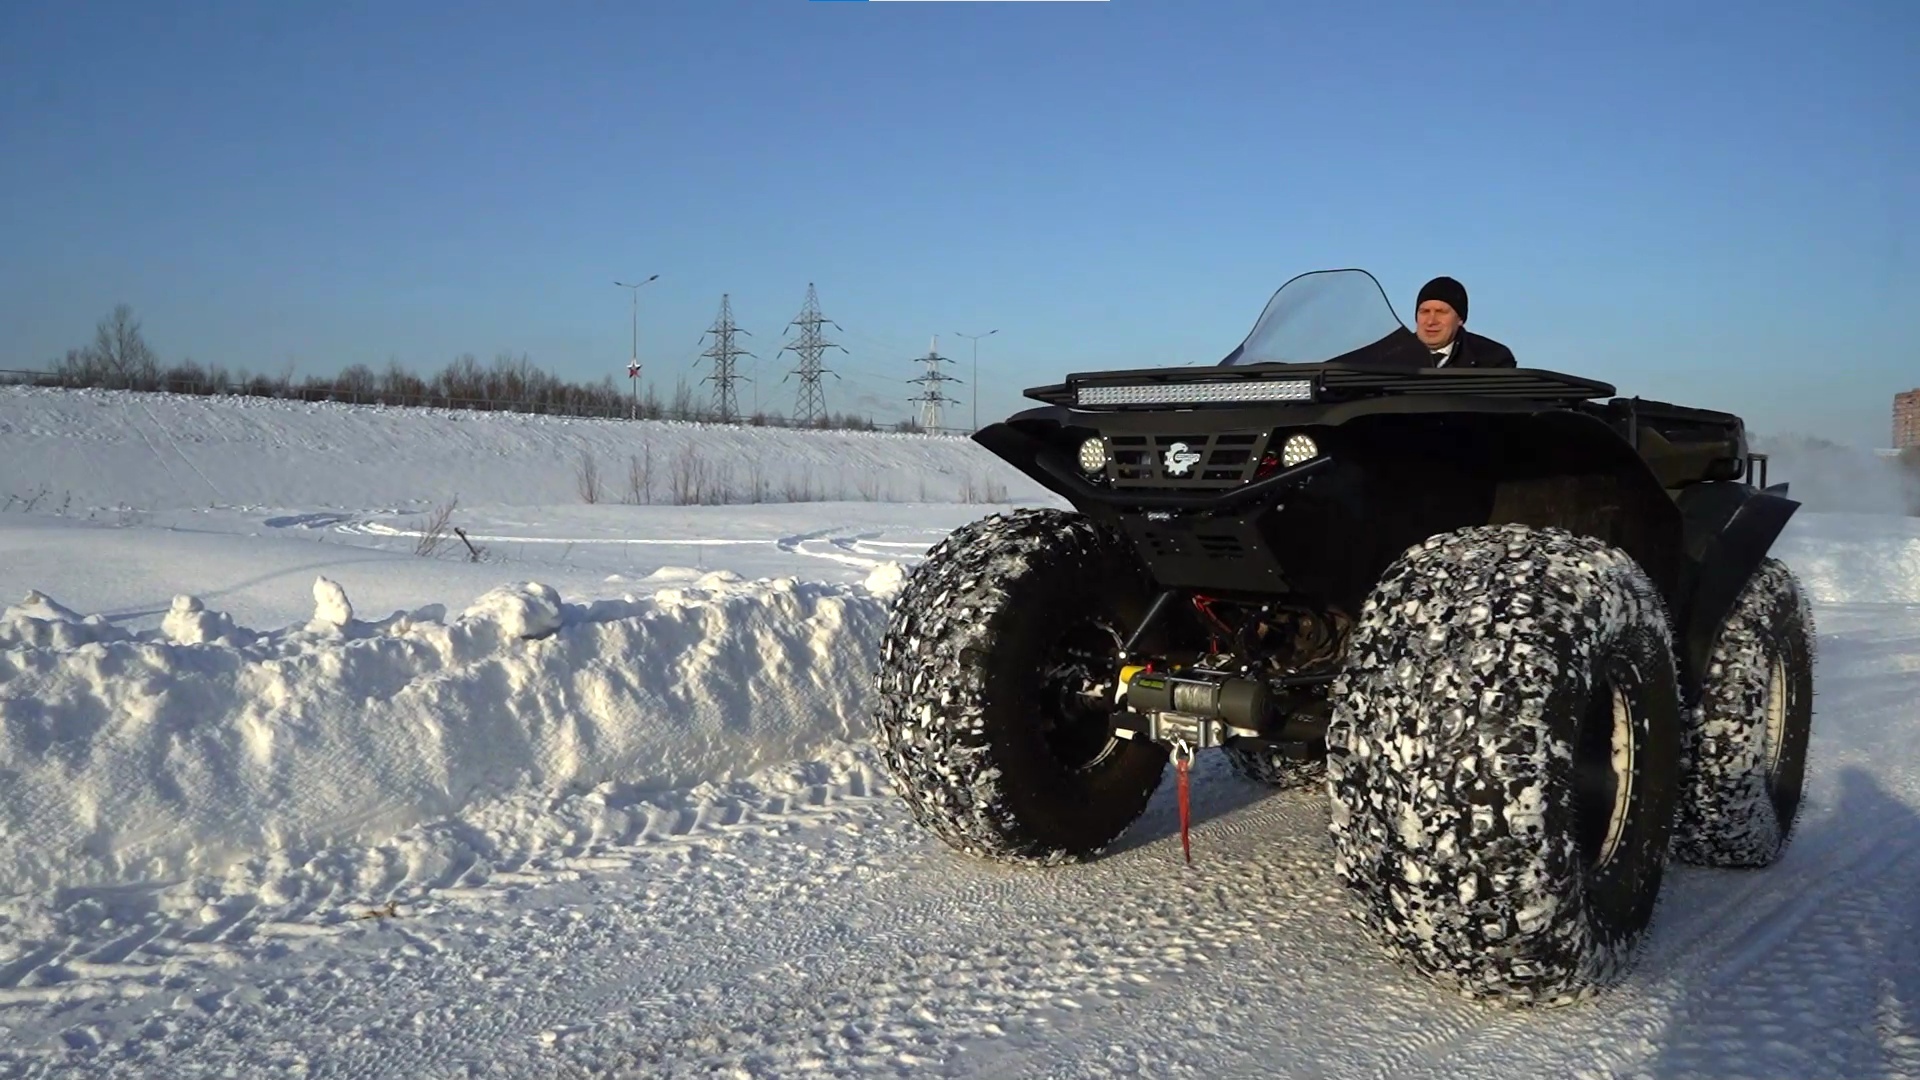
pixel 1439 321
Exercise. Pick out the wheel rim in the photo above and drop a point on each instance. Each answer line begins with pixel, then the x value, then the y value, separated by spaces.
pixel 1077 696
pixel 1776 714
pixel 1604 773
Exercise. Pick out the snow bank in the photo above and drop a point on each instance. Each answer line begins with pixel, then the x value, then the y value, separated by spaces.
pixel 109 449
pixel 142 757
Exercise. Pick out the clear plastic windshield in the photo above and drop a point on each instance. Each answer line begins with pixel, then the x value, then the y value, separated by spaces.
pixel 1318 316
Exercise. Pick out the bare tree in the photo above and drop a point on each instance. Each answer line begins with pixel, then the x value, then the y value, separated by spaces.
pixel 357 381
pixel 687 483
pixel 683 407
pixel 123 350
pixel 119 355
pixel 587 477
pixel 433 531
pixel 640 474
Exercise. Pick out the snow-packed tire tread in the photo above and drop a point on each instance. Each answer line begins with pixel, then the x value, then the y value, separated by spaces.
pixel 1728 815
pixel 1449 764
pixel 943 736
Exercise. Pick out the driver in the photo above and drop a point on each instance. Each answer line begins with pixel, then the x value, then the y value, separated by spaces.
pixel 1439 321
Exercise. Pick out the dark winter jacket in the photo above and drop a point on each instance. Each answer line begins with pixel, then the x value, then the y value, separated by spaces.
pixel 1473 350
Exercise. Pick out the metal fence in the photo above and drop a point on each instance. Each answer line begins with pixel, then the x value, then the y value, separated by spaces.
pixel 580 405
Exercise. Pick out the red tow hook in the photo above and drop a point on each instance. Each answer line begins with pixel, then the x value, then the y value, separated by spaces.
pixel 1182 757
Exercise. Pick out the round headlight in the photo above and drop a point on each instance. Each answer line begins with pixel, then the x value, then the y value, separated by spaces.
pixel 1093 456
pixel 1299 450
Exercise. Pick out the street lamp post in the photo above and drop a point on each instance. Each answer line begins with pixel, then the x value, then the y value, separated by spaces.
pixel 976 372
pixel 633 361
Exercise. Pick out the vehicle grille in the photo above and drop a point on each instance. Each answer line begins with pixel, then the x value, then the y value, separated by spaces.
pixel 1218 461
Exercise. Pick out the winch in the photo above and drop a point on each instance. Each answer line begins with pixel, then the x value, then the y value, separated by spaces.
pixel 1201 708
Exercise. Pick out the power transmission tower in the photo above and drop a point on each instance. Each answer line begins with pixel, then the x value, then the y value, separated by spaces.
pixel 723 353
pixel 811 407
pixel 932 397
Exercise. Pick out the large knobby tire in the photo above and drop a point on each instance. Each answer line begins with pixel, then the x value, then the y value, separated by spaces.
pixel 1743 754
pixel 1502 762
pixel 997 679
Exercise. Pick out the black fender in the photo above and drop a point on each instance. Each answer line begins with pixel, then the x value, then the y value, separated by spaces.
pixel 1019 442
pixel 1730 528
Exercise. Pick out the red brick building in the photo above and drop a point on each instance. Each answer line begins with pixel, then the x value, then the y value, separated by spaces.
pixel 1906 419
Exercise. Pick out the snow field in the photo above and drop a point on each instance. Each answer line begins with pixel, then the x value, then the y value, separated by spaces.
pixel 107 450
pixel 617 789
pixel 1854 558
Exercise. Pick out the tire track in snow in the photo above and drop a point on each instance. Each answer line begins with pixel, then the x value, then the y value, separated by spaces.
pixel 936 960
pixel 175 444
pixel 185 922
pixel 818 545
pixel 844 939
pixel 159 458
pixel 907 905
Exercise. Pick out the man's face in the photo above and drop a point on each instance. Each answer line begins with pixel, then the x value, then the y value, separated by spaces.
pixel 1435 323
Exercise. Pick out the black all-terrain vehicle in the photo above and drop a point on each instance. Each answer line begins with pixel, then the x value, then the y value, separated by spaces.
pixel 1526 634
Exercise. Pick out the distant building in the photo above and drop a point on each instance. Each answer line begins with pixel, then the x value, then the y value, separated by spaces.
pixel 1906 419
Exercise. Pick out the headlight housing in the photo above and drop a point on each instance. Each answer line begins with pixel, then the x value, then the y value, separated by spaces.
pixel 1298 450
pixel 1093 456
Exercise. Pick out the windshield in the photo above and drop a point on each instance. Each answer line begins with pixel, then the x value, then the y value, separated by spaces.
pixel 1319 316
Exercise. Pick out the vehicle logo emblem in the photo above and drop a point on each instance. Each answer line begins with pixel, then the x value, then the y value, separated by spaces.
pixel 1180 459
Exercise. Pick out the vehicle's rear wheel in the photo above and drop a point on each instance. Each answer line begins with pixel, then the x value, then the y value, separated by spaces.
pixel 997 683
pixel 1502 761
pixel 1743 755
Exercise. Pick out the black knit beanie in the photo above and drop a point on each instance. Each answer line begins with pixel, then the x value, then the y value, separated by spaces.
pixel 1446 290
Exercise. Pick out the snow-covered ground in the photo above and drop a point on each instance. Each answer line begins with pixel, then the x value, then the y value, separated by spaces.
pixel 279 796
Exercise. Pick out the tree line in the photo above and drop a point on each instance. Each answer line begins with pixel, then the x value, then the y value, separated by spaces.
pixel 119 358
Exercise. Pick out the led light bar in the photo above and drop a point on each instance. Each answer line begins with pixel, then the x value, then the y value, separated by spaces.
pixel 1200 393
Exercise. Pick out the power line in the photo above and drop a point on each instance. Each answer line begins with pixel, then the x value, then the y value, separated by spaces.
pixel 723 354
pixel 812 404
pixel 932 398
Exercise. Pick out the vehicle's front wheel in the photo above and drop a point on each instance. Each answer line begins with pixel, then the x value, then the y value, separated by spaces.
pixel 997 682
pixel 1502 761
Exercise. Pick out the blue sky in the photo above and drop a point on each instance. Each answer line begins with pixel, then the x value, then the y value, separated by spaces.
pixel 1708 202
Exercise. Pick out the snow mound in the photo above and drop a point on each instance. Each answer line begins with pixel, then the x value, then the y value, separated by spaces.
pixel 136 758
pixel 887 579
pixel 39 622
pixel 527 610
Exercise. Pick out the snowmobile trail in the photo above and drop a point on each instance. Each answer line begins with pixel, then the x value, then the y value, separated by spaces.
pixel 802 925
